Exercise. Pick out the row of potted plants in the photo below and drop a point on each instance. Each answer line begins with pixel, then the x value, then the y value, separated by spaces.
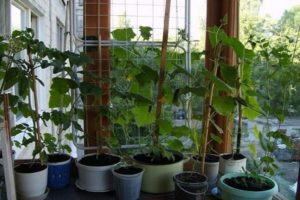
pixel 137 90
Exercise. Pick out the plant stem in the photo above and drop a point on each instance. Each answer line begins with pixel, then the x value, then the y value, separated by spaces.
pixel 160 95
pixel 36 123
pixel 240 117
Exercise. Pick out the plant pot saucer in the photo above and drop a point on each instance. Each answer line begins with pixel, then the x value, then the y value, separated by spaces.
pixel 40 197
pixel 80 187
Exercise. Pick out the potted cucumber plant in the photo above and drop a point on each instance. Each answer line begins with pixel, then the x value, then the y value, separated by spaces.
pixel 95 169
pixel 140 101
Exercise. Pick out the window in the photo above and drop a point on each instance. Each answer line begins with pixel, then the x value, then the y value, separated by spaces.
pixel 272 30
pixel 59 35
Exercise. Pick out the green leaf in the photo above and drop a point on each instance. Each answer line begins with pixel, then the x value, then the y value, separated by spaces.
pixel 214 35
pixel 145 32
pixel 125 34
pixel 175 144
pixel 77 126
pixel 179 131
pixel 63 85
pixel 60 118
pixel 224 105
pixel 252 111
pixel 165 126
pixel 220 84
pixel 267 159
pixel 58 100
pixel 142 116
pixel 119 52
pixel 11 77
pixel 229 74
pixel 49 138
pixel 67 148
pixel 69 136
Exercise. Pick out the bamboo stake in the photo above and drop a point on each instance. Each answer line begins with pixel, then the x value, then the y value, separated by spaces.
pixel 160 95
pixel 7 153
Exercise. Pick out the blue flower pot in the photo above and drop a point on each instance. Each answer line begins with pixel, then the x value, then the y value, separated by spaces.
pixel 59 171
pixel 231 193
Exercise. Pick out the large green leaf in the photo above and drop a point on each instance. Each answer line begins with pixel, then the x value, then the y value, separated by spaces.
pixel 224 105
pixel 175 144
pixel 179 131
pixel 125 34
pixel 143 116
pixel 58 100
pixel 252 111
pixel 11 77
pixel 165 126
pixel 215 35
pixel 63 85
pixel 229 74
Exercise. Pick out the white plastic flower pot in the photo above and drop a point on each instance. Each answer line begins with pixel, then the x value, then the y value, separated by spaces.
pixel 211 168
pixel 229 164
pixel 30 185
pixel 159 178
pixel 95 178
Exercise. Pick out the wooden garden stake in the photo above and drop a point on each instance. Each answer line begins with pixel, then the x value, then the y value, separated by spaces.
pixel 7 153
pixel 160 95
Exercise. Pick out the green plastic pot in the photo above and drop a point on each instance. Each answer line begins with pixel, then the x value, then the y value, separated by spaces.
pixel 231 193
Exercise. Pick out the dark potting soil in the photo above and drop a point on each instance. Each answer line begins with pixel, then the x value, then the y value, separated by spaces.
pixel 55 158
pixel 233 156
pixel 188 177
pixel 150 159
pixel 100 160
pixel 30 168
pixel 128 170
pixel 249 183
pixel 208 158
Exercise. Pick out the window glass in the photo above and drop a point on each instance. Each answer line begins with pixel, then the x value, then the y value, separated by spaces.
pixel 272 31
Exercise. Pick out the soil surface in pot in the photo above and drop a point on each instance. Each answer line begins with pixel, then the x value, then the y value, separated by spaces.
pixel 100 160
pixel 30 168
pixel 128 170
pixel 191 177
pixel 233 156
pixel 208 158
pixel 149 159
pixel 249 183
pixel 55 158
